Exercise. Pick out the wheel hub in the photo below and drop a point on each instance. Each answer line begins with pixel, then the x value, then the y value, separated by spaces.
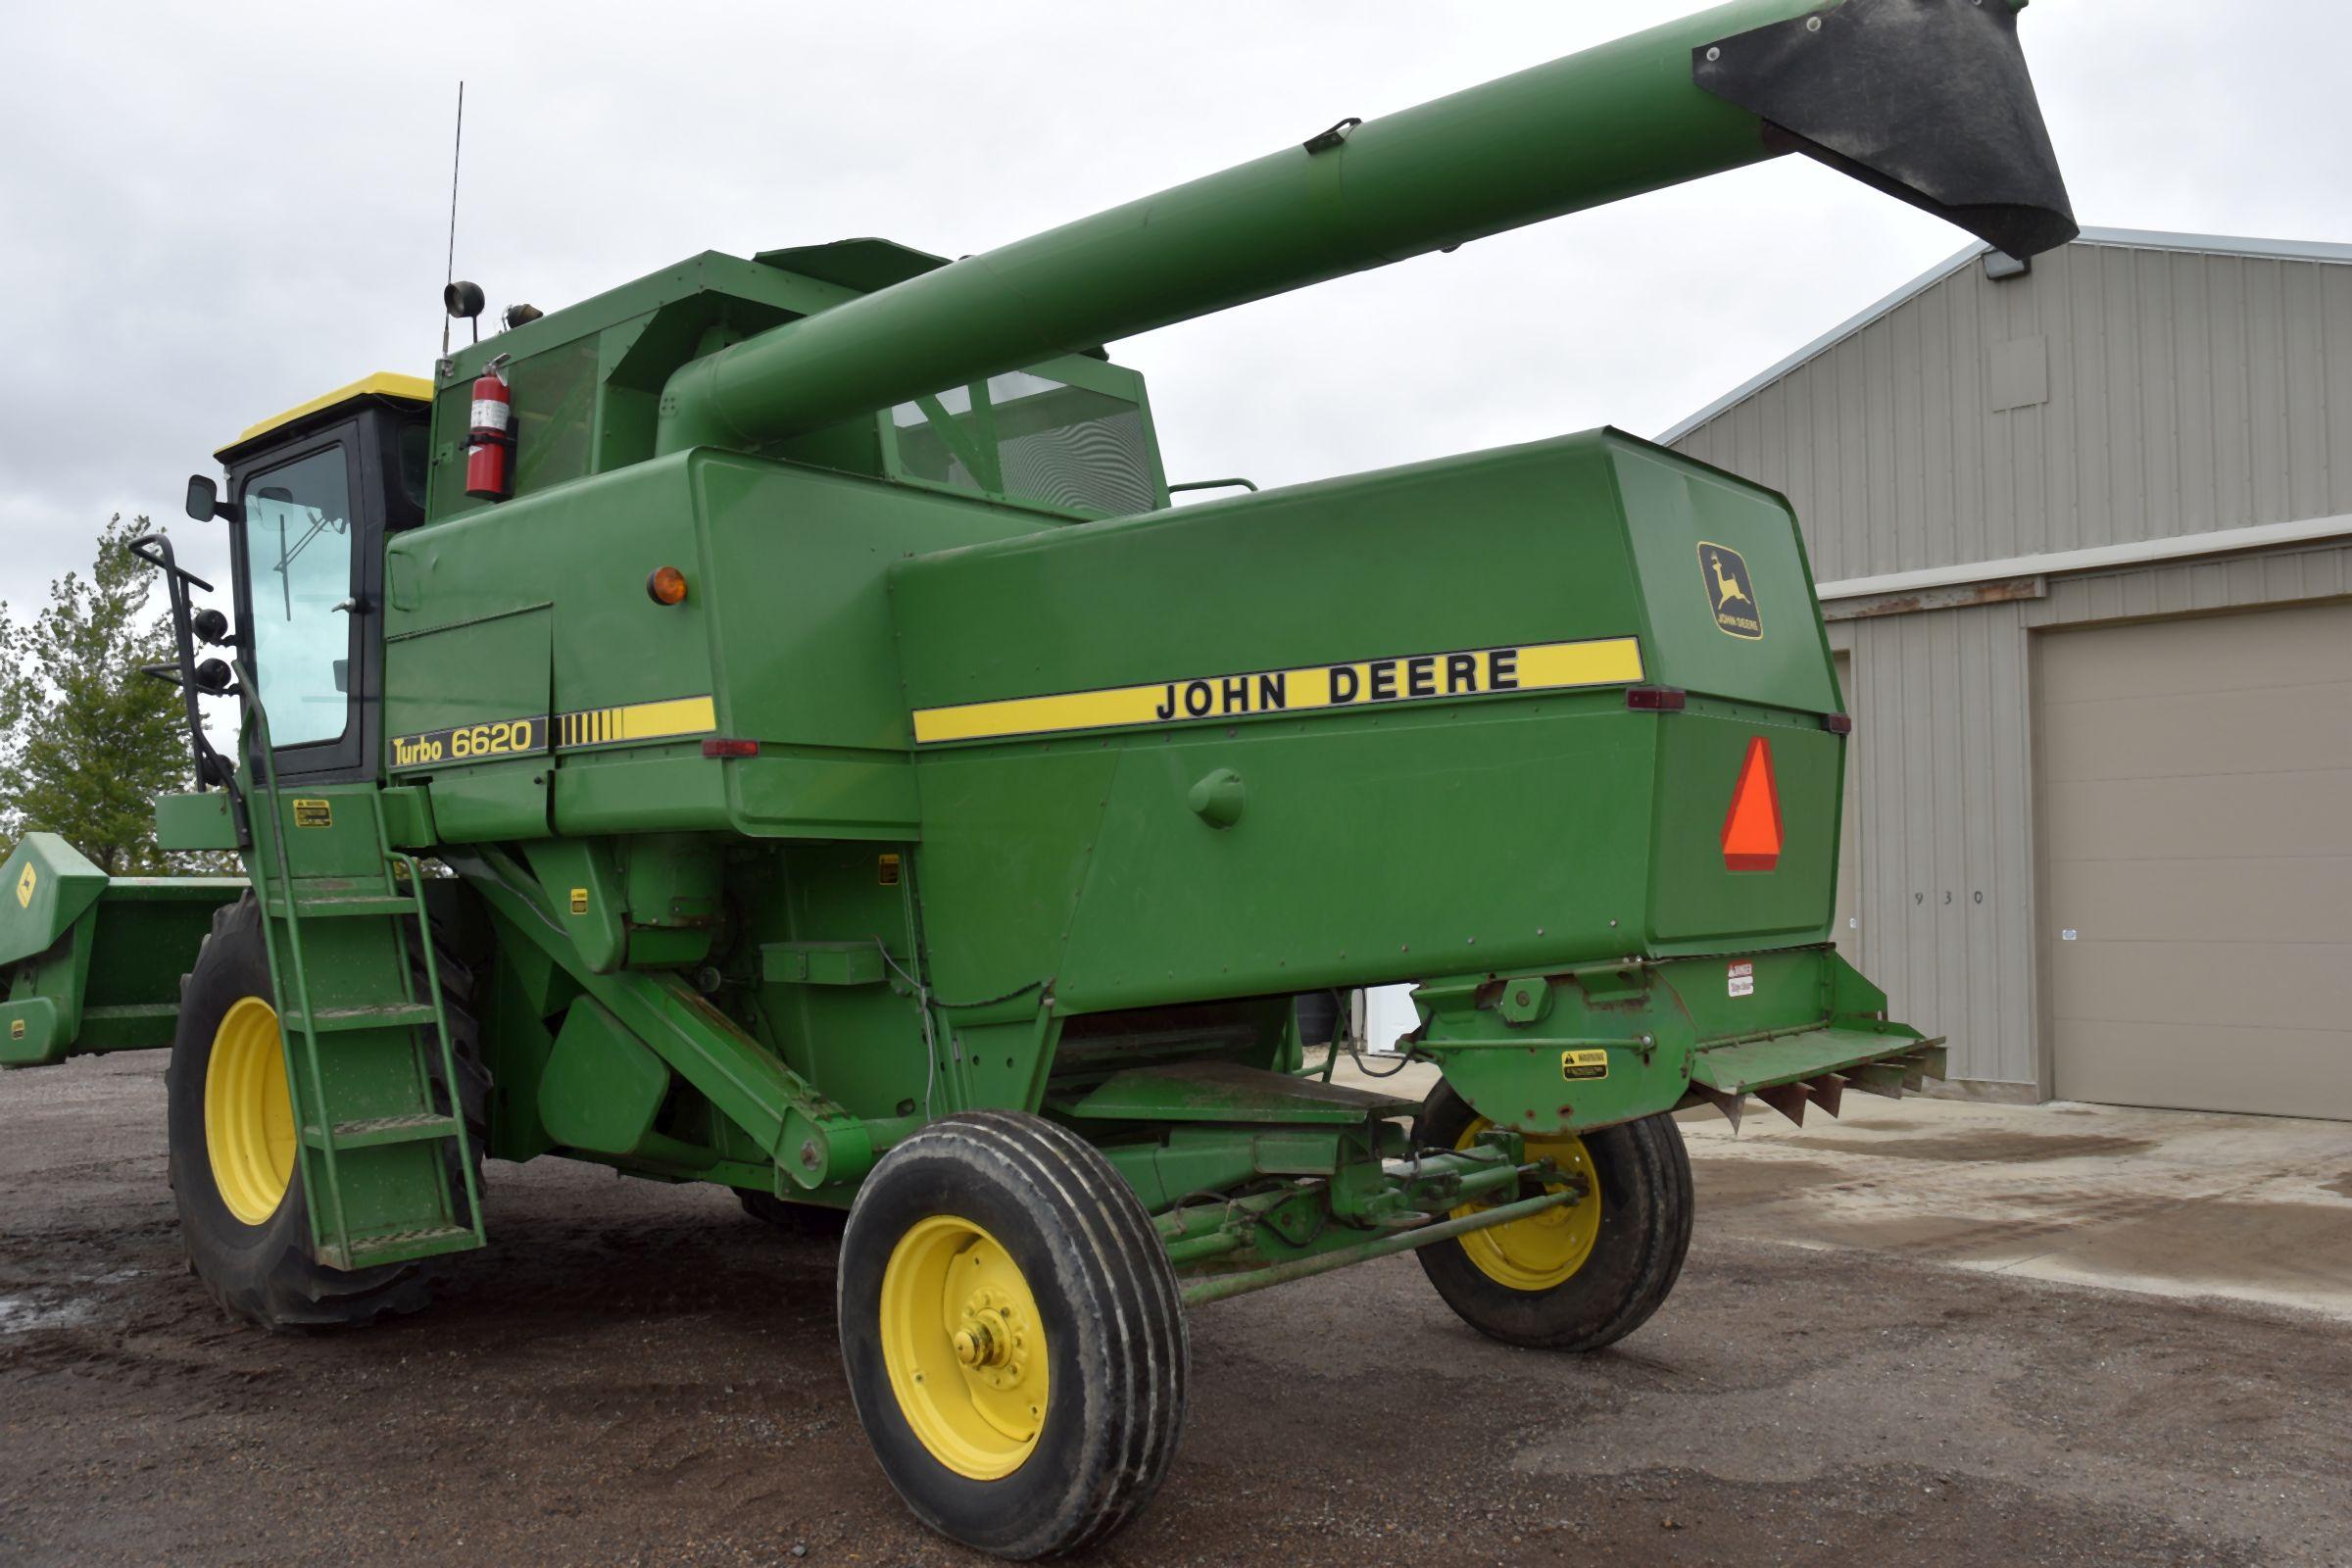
pixel 248 1113
pixel 1545 1249
pixel 999 1345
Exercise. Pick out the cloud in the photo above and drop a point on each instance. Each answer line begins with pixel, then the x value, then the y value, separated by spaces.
pixel 209 214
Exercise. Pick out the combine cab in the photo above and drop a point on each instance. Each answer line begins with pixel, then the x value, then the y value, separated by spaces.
pixel 765 725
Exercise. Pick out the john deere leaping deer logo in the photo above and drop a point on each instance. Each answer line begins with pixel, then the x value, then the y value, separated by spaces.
pixel 1729 590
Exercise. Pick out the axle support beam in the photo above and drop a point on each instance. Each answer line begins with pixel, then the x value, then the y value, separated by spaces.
pixel 1220 1286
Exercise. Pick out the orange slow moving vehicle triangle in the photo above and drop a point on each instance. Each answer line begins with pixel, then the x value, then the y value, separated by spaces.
pixel 1751 829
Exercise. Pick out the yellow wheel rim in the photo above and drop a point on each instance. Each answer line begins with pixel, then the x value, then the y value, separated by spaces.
pixel 1541 1250
pixel 964 1347
pixel 248 1117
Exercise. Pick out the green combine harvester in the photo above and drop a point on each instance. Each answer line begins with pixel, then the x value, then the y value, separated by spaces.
pixel 766 726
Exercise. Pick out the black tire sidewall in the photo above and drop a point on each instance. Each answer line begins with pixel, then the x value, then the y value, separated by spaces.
pixel 235 1258
pixel 1041 1506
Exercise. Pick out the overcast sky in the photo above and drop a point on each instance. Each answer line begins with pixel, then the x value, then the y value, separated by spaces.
pixel 210 213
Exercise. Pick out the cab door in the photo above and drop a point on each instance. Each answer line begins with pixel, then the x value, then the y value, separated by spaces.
pixel 308 548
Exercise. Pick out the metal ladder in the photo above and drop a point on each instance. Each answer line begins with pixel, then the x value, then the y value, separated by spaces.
pixel 427 1198
pixel 285 906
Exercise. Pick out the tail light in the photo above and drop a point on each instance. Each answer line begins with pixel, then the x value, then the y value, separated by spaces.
pixel 1655 699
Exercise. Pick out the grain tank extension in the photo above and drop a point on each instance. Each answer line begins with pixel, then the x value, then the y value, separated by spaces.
pixel 814 758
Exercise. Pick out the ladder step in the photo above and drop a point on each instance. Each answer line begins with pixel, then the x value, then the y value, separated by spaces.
pixel 377 1131
pixel 333 1020
pixel 332 905
pixel 400 1246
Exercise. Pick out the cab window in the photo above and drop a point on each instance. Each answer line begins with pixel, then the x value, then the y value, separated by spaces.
pixel 298 549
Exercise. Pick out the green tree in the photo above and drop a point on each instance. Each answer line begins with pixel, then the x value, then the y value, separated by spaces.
pixel 86 742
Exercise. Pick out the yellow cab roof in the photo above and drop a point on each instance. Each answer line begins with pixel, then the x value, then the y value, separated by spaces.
pixel 383 384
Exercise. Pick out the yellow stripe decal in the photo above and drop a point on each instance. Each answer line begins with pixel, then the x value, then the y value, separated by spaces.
pixel 1413 678
pixel 645 721
pixel 637 722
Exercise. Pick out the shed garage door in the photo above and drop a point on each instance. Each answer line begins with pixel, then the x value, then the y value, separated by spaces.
pixel 2196 831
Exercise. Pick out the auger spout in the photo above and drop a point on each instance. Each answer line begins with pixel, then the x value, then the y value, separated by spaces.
pixel 1929 100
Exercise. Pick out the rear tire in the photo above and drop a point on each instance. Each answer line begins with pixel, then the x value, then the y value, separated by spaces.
pixel 1012 1335
pixel 260 1267
pixel 1620 1270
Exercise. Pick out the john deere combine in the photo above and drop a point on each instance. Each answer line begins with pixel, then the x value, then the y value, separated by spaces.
pixel 801 749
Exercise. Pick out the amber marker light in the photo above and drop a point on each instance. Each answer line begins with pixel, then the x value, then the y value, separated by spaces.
pixel 666 586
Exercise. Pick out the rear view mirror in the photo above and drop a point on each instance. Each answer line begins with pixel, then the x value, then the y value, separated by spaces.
pixel 204 502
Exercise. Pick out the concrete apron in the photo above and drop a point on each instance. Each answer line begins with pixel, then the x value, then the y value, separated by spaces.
pixel 2169 1202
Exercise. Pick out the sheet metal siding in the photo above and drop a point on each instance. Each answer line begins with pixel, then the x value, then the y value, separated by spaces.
pixel 2187 392
pixel 1946 874
pixel 1944 741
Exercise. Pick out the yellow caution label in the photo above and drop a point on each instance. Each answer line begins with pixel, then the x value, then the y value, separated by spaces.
pixel 579 900
pixel 1583 1065
pixel 1310 688
pixel 26 882
pixel 313 814
pixel 16 1028
pixel 886 871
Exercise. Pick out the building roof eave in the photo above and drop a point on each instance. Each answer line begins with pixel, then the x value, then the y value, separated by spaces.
pixel 2284 250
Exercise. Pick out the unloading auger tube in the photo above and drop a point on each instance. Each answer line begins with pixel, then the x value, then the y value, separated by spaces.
pixel 1927 100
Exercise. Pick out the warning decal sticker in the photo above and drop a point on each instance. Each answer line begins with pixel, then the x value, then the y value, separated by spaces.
pixel 1575 1065
pixel 1751 828
pixel 1743 980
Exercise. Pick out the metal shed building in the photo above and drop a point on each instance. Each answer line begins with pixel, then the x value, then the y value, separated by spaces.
pixel 2083 540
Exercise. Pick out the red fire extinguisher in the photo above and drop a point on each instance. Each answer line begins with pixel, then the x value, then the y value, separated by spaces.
pixel 490 444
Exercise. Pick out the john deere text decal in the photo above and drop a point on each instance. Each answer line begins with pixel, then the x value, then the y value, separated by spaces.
pixel 1406 678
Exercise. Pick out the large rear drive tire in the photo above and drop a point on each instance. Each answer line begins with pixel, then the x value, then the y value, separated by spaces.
pixel 244 1218
pixel 1581 1276
pixel 1012 1335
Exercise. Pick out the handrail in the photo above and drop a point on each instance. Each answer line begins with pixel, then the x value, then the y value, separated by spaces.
pixel 250 696
pixel 433 993
pixel 211 766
